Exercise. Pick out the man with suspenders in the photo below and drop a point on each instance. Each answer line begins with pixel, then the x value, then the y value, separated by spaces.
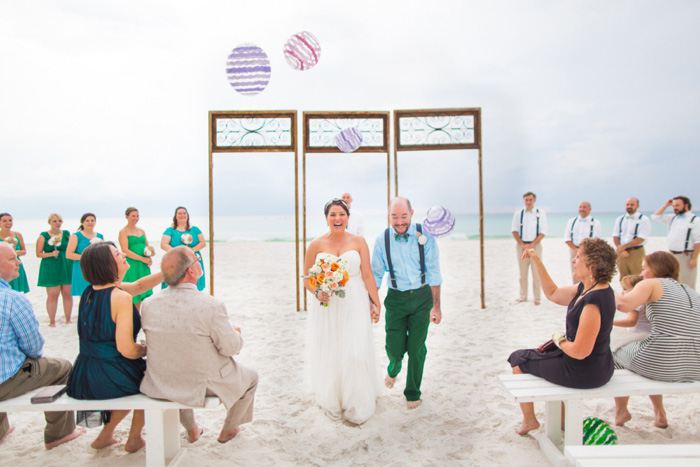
pixel 683 236
pixel 630 234
pixel 579 228
pixel 410 256
pixel 529 228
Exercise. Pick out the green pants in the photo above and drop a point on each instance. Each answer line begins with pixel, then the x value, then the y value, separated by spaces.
pixel 407 319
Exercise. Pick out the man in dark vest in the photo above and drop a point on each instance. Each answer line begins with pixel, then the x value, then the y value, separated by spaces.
pixel 410 256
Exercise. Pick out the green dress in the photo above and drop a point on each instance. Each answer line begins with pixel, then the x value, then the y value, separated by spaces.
pixel 137 269
pixel 59 270
pixel 20 284
pixel 176 240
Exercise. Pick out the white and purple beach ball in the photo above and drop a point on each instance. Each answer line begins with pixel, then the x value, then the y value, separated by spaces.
pixel 439 222
pixel 302 51
pixel 348 140
pixel 248 69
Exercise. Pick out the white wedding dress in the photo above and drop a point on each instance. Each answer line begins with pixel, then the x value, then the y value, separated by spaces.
pixel 341 367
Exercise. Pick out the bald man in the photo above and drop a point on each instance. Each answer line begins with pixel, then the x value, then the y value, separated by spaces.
pixel 578 228
pixel 356 222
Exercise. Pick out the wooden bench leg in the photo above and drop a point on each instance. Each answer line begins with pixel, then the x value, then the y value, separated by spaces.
pixel 573 423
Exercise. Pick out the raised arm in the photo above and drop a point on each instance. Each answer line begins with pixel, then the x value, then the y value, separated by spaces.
pixel 141 285
pixel 558 295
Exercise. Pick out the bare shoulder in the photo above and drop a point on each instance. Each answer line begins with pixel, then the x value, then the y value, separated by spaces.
pixel 120 296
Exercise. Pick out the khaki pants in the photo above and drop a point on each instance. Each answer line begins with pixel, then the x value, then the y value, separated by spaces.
pixel 33 374
pixel 686 275
pixel 239 413
pixel 523 266
pixel 632 265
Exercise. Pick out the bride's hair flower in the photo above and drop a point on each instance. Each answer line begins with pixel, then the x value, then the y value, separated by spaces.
pixel 329 275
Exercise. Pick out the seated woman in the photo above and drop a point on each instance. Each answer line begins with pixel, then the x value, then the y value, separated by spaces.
pixel 583 358
pixel 110 363
pixel 672 350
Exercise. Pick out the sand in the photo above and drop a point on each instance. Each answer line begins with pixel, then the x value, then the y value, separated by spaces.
pixel 465 419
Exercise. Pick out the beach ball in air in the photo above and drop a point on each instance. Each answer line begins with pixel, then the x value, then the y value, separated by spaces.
pixel 248 69
pixel 302 51
pixel 348 140
pixel 439 222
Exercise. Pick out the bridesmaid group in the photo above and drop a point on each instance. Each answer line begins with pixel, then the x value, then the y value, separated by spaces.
pixel 60 252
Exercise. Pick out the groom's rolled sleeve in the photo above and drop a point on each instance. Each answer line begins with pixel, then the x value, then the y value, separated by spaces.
pixel 378 263
pixel 432 263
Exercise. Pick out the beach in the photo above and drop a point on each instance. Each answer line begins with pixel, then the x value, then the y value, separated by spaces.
pixel 465 418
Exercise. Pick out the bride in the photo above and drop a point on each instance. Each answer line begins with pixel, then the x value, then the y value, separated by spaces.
pixel 340 347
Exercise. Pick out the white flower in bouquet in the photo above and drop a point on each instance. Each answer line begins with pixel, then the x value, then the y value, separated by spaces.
pixel 186 238
pixel 55 241
pixel 95 239
pixel 149 251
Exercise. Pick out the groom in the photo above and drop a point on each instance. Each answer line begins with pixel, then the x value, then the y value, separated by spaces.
pixel 410 256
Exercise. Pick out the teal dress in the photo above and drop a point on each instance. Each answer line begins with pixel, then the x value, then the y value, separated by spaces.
pixel 78 283
pixel 176 240
pixel 100 371
pixel 55 271
pixel 137 269
pixel 20 283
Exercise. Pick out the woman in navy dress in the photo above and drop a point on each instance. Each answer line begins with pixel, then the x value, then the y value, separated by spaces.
pixel 110 363
pixel 583 358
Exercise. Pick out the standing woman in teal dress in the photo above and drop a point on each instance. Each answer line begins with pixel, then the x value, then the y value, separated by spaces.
pixel 76 244
pixel 20 284
pixel 182 233
pixel 133 242
pixel 55 270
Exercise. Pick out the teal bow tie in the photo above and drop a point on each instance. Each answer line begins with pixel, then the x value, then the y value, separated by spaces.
pixel 629 217
pixel 681 216
pixel 401 237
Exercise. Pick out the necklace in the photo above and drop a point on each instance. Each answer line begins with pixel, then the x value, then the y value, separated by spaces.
pixel 587 290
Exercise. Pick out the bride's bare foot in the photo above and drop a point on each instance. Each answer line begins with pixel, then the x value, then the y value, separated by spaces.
pixel 622 417
pixel 412 404
pixel 193 434
pixel 389 381
pixel 527 427
pixel 226 436
pixel 102 442
pixel 77 432
pixel 133 445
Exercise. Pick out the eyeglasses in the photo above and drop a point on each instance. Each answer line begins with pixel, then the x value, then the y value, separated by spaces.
pixel 196 260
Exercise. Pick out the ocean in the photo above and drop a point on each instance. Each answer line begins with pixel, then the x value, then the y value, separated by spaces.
pixel 281 228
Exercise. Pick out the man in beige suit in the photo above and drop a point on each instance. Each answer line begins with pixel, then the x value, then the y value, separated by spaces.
pixel 191 345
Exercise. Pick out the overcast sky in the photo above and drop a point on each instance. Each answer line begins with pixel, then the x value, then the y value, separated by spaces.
pixel 104 104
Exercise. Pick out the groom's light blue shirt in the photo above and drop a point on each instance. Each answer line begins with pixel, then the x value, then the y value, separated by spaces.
pixel 406 260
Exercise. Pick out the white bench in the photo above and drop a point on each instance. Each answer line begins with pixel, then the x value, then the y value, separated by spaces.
pixel 529 388
pixel 635 455
pixel 162 419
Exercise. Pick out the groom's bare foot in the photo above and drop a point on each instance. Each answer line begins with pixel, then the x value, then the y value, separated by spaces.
pixel 228 435
pixel 389 382
pixel 77 432
pixel 412 404
pixel 194 433
pixel 622 417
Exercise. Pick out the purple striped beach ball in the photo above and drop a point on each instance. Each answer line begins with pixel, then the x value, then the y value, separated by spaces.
pixel 248 69
pixel 439 222
pixel 302 51
pixel 348 140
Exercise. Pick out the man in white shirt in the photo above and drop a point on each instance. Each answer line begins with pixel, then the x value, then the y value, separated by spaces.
pixel 683 236
pixel 630 234
pixel 528 228
pixel 578 228
pixel 356 222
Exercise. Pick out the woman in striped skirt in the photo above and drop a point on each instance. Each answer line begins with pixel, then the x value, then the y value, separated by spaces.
pixel 672 350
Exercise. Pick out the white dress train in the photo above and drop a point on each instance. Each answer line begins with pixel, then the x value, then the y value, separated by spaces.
pixel 341 364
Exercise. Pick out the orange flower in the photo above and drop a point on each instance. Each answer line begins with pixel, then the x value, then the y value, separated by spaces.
pixel 334 266
pixel 333 285
pixel 319 279
pixel 311 281
pixel 345 278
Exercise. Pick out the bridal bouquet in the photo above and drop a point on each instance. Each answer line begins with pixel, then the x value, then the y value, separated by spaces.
pixel 329 275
